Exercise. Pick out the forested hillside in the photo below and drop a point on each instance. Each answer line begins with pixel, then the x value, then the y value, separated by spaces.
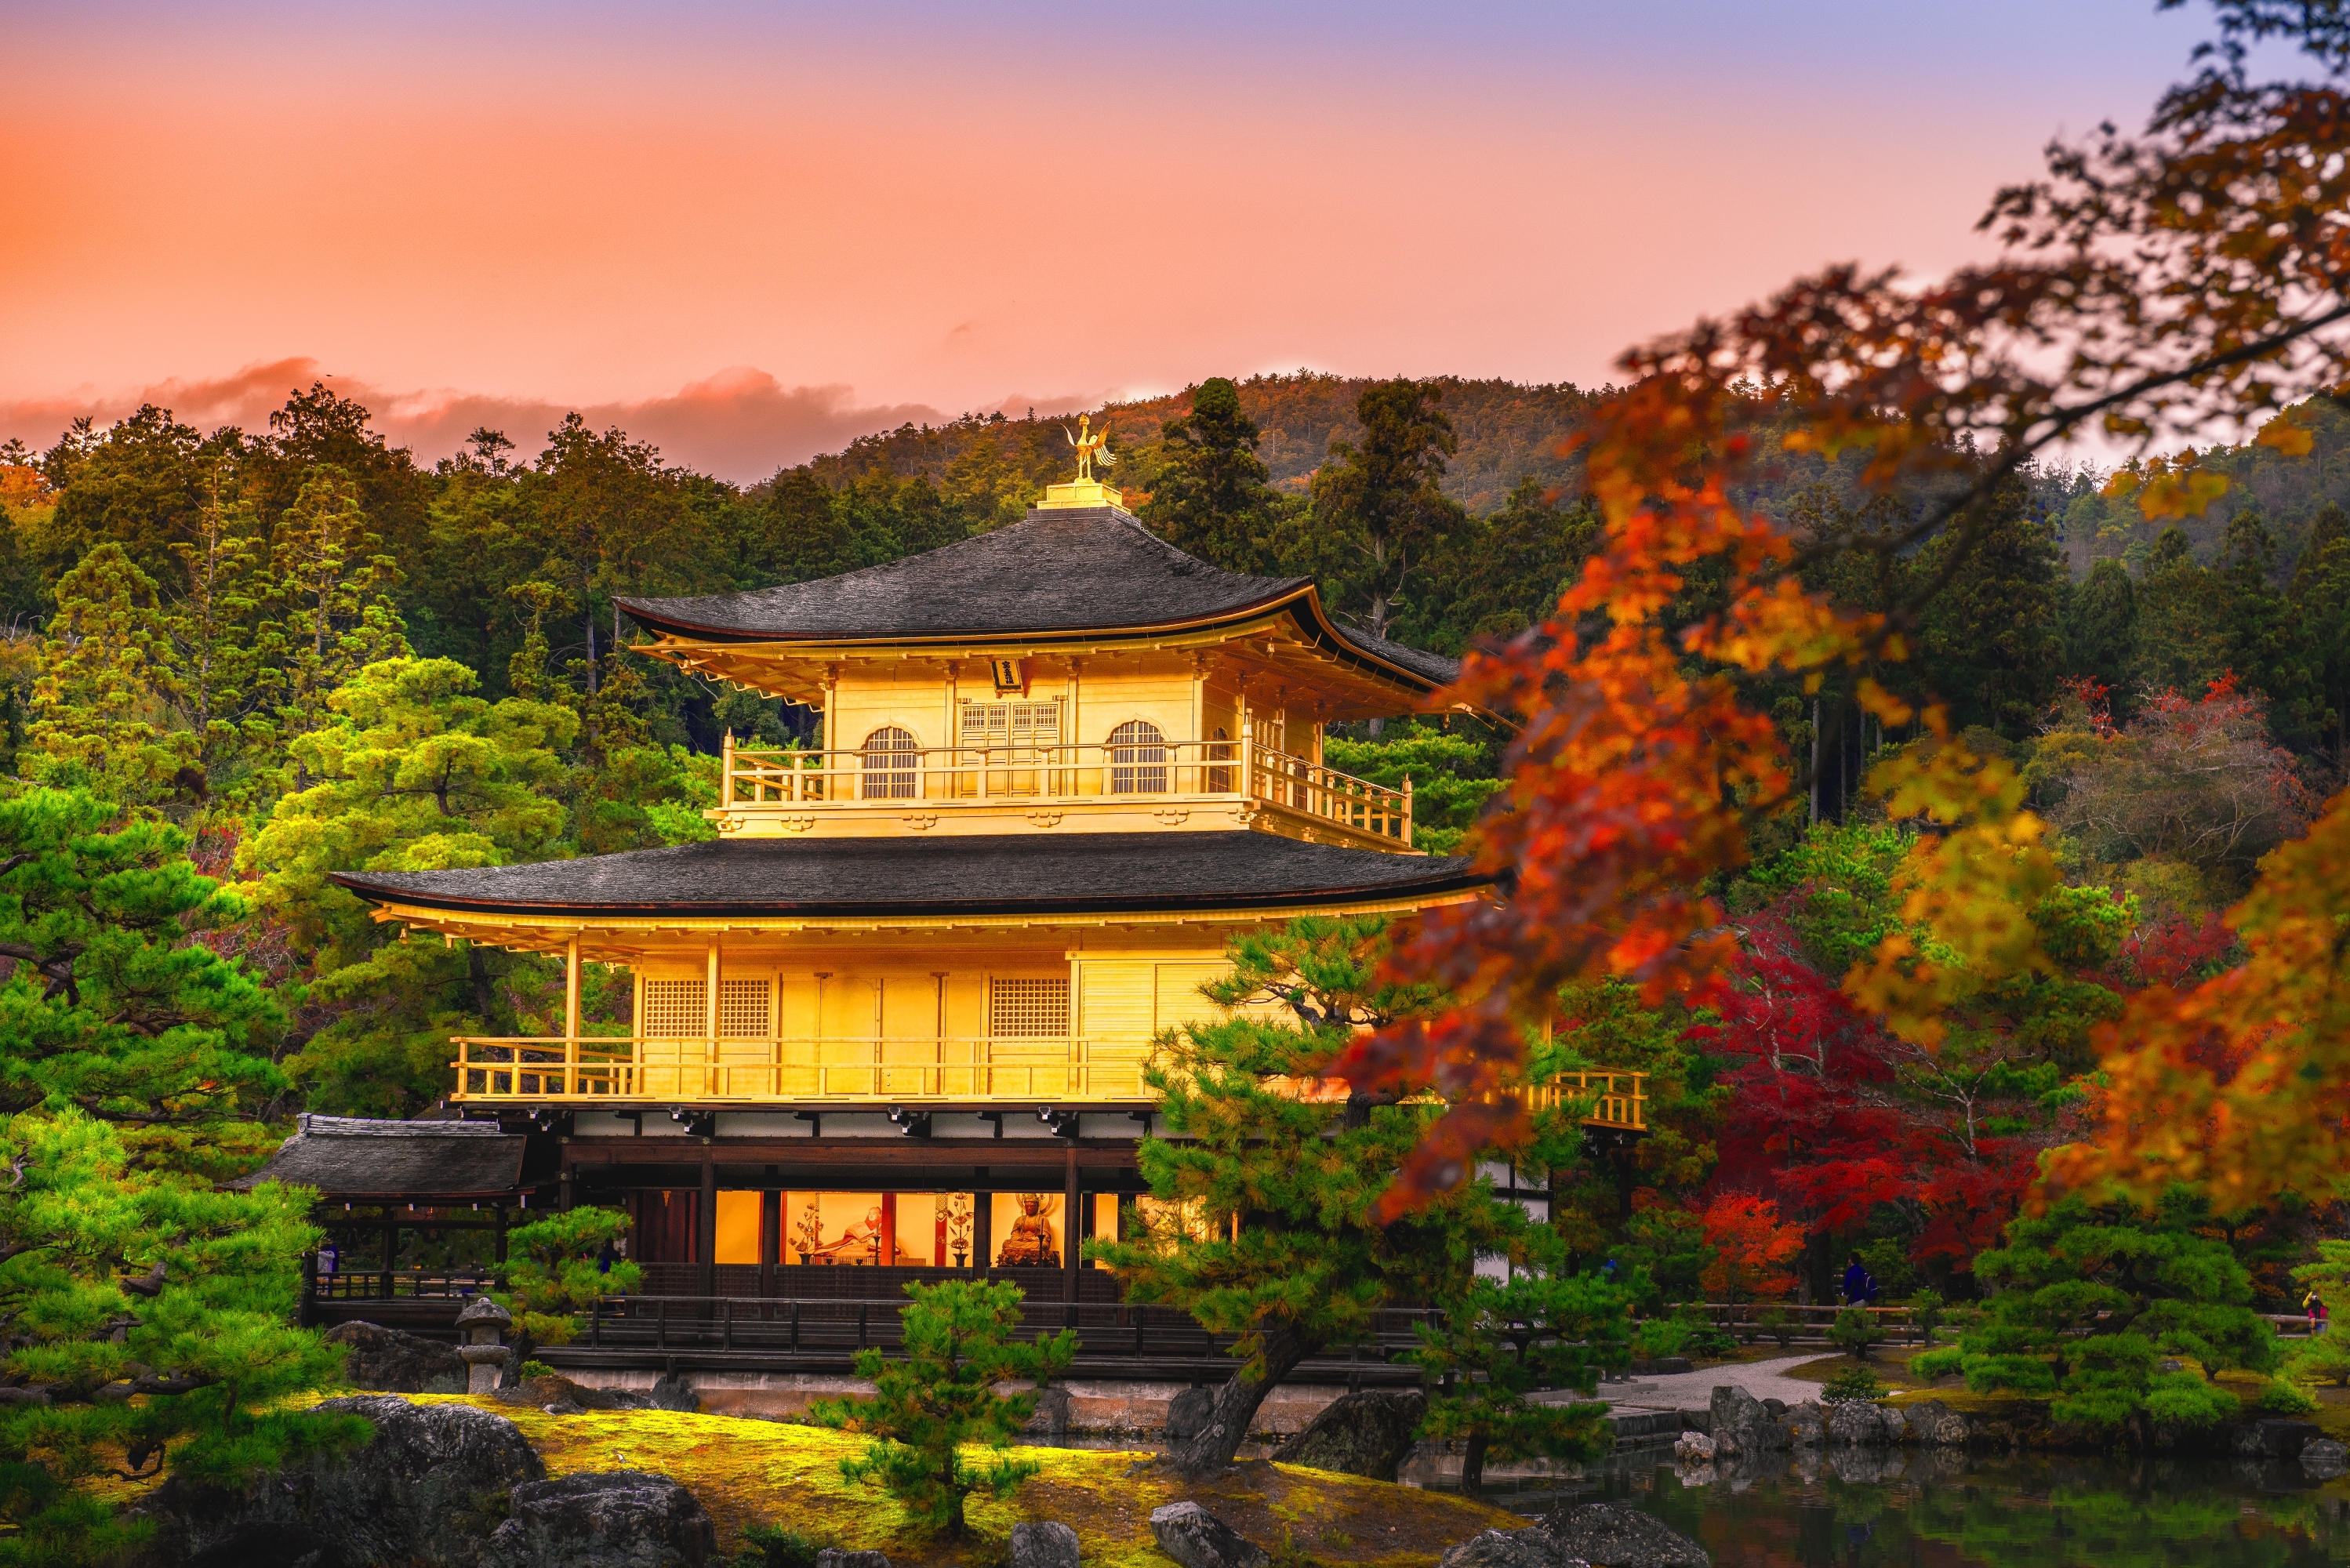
pixel 260 636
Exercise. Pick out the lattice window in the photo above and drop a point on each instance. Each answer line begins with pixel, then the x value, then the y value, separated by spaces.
pixel 1138 759
pixel 1011 725
pixel 676 1007
pixel 743 1008
pixel 1033 1008
pixel 1220 750
pixel 889 769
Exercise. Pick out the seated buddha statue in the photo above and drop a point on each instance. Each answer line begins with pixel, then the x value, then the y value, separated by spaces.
pixel 1031 1241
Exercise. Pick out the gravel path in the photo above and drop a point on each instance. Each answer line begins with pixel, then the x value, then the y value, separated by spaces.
pixel 1694 1390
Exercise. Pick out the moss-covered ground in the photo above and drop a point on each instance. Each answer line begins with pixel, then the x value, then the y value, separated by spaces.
pixel 760 1472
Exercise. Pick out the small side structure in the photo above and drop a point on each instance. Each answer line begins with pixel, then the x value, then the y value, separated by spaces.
pixel 415 1214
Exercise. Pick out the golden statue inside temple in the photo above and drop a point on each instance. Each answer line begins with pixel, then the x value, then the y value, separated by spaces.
pixel 1032 1241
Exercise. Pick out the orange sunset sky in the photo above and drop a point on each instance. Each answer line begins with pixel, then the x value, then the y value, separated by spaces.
pixel 752 232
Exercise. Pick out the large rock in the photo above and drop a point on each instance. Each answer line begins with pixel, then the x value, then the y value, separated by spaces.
pixel 394 1363
pixel 1806 1425
pixel 431 1486
pixel 835 1557
pixel 672 1392
pixel 1531 1548
pixel 1050 1420
pixel 1366 1434
pixel 1618 1535
pixel 1044 1545
pixel 2273 1439
pixel 1693 1447
pixel 1741 1426
pixel 2323 1459
pixel 1934 1424
pixel 1188 1413
pixel 1198 1539
pixel 558 1389
pixel 1857 1424
pixel 612 1518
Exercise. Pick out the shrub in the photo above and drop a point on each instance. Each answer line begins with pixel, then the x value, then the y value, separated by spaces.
pixel 1779 1324
pixel 1850 1383
pixel 777 1546
pixel 1938 1362
pixel 1659 1337
pixel 2325 1359
pixel 1925 1307
pixel 1854 1330
pixel 1701 1335
pixel 534 1370
pixel 2284 1398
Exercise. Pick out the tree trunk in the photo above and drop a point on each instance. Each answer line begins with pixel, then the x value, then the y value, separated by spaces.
pixel 1472 1465
pixel 1206 1455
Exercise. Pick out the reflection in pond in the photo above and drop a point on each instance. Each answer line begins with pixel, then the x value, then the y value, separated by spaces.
pixel 1940 1510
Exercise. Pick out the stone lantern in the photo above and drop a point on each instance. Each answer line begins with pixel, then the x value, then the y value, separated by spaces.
pixel 480 1326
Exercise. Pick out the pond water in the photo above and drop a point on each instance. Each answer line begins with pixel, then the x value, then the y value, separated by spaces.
pixel 1938 1511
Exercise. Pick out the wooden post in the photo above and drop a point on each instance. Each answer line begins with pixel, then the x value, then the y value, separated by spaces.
pixel 1407 811
pixel 886 1254
pixel 706 1226
pixel 390 1252
pixel 771 1239
pixel 571 1013
pixel 982 1226
pixel 726 769
pixel 710 1022
pixel 1072 1226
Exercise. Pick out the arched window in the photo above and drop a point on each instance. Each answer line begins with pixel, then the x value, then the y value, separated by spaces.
pixel 887 758
pixel 1138 759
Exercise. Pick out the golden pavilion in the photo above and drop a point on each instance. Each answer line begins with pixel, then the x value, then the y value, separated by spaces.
pixel 895 1013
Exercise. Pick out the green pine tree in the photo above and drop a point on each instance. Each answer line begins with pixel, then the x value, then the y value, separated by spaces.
pixel 99 717
pixel 2179 641
pixel 939 1398
pixel 2086 1303
pixel 1267 1224
pixel 550 1276
pixel 111 1009
pixel 1989 634
pixel 2321 606
pixel 1542 1329
pixel 412 772
pixel 149 1332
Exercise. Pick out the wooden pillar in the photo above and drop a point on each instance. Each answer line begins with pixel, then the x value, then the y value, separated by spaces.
pixel 886 1254
pixel 771 1239
pixel 571 1004
pixel 705 1227
pixel 1073 1225
pixel 390 1252
pixel 831 692
pixel 1077 735
pixel 710 1023
pixel 982 1226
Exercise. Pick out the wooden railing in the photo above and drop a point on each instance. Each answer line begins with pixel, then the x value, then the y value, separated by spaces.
pixel 1018 1069
pixel 1238 771
pixel 1619 1099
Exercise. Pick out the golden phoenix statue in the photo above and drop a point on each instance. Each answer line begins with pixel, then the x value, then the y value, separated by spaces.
pixel 1092 447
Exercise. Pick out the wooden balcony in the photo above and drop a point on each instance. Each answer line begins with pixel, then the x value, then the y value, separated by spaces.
pixel 741 1072
pixel 1197 784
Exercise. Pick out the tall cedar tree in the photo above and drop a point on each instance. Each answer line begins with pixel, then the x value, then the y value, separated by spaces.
pixel 2266 646
pixel 2099 625
pixel 1266 1190
pixel 1991 631
pixel 1210 498
pixel 1379 514
pixel 150 1327
pixel 1542 1330
pixel 2321 602
pixel 113 1010
pixel 961 1339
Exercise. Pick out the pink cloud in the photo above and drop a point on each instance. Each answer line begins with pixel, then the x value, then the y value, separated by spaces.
pixel 741 423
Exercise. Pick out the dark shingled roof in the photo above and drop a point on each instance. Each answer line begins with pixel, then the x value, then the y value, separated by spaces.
pixel 349 1158
pixel 1092 569
pixel 954 874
